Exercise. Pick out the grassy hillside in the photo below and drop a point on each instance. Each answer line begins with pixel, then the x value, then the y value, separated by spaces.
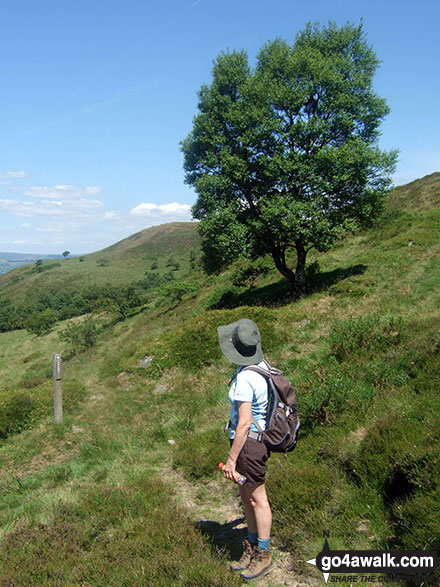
pixel 419 195
pixel 123 262
pixel 126 491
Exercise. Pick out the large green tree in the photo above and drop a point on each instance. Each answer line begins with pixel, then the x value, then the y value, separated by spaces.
pixel 285 155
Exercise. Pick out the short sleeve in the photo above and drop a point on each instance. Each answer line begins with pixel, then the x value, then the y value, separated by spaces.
pixel 244 392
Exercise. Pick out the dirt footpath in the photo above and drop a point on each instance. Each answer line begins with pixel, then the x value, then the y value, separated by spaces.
pixel 216 510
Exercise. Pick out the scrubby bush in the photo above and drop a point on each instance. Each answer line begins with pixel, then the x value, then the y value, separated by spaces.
pixel 8 315
pixel 21 410
pixel 121 300
pixel 225 296
pixel 15 413
pixel 192 260
pixel 80 335
pixel 194 345
pixel 372 331
pixel 155 281
pixel 198 453
pixel 173 264
pixel 36 374
pixel 398 459
pixel 417 522
pixel 40 323
pixel 403 442
pixel 176 290
pixel 299 497
pixel 321 399
pixel 348 287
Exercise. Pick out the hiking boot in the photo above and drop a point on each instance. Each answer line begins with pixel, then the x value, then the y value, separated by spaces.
pixel 246 557
pixel 260 564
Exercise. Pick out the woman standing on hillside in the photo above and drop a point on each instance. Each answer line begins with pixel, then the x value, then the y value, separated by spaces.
pixel 240 342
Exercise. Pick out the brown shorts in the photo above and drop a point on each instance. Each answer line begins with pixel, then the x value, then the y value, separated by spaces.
pixel 251 461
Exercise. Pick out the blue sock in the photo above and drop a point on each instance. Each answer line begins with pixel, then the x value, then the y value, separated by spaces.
pixel 264 544
pixel 252 537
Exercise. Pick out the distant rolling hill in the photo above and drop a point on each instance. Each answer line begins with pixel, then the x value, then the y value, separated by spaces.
pixel 418 196
pixel 126 261
pixel 9 261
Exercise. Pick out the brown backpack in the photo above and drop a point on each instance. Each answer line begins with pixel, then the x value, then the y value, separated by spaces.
pixel 282 420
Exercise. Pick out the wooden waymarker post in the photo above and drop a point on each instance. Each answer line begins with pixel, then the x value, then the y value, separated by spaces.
pixel 57 391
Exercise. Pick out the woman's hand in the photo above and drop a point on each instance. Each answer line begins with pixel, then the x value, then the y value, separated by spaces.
pixel 229 469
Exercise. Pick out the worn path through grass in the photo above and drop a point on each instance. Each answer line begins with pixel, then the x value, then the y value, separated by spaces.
pixel 216 511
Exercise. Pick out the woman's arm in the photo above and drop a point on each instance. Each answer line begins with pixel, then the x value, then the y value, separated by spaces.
pixel 241 434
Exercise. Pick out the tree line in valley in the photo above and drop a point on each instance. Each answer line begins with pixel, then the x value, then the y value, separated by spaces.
pixel 39 315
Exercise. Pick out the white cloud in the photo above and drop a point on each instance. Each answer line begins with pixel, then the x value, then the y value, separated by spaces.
pixel 50 229
pixel 69 204
pixel 13 174
pixel 111 215
pixel 80 209
pixel 92 190
pixel 61 192
pixel 160 212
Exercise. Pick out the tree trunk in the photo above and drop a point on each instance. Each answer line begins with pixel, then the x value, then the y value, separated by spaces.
pixel 295 278
pixel 301 262
pixel 279 258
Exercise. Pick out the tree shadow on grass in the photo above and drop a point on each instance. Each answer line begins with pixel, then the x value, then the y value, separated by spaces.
pixel 226 538
pixel 279 294
pixel 323 280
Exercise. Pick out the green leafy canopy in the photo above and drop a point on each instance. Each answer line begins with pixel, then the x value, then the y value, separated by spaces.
pixel 286 155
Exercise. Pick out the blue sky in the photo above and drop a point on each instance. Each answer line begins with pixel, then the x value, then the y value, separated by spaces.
pixel 96 95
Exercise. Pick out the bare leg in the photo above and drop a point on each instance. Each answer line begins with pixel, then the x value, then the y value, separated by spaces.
pixel 249 510
pixel 257 508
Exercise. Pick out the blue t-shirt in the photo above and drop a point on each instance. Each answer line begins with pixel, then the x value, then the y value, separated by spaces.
pixel 248 386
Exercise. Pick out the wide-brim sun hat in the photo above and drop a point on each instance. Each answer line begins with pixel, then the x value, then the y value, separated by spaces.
pixel 240 342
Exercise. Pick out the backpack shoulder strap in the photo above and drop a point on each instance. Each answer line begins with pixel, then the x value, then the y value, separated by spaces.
pixel 269 373
pixel 259 370
pixel 266 375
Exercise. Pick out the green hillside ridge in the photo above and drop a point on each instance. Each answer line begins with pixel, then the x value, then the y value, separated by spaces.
pixel 421 194
pixel 124 262
pixel 126 491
